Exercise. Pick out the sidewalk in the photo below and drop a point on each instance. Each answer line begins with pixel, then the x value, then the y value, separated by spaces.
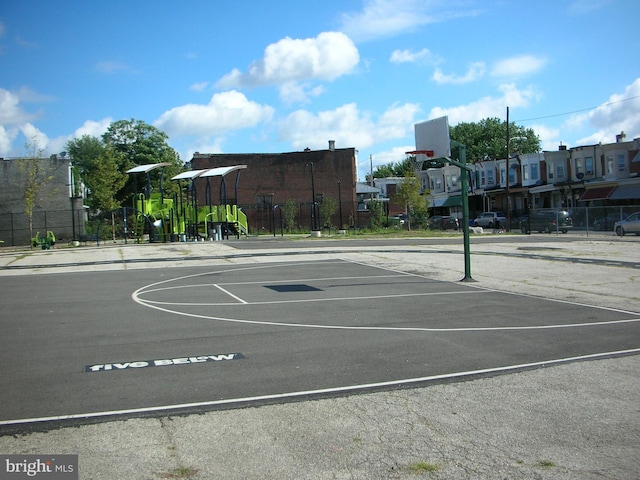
pixel 572 421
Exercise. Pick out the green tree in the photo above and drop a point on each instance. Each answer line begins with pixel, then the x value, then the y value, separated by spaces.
pixel 99 168
pixel 105 180
pixel 289 211
pixel 376 212
pixel 328 208
pixel 139 143
pixel 409 195
pixel 487 139
pixel 395 169
pixel 35 174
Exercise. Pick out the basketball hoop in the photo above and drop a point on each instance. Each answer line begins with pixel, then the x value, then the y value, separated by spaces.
pixel 427 153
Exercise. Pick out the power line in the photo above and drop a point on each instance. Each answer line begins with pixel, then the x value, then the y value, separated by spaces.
pixel 577 111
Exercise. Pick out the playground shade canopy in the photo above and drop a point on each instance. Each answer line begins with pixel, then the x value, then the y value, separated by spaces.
pixel 148 167
pixel 190 175
pixel 222 171
pixel 212 172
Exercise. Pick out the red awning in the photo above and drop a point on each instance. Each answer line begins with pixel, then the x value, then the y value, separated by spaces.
pixel 600 193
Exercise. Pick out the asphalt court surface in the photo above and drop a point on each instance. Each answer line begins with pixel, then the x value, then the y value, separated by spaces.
pixel 103 344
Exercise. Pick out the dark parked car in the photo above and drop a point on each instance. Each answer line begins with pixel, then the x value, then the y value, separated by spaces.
pixel 547 221
pixel 441 222
pixel 607 223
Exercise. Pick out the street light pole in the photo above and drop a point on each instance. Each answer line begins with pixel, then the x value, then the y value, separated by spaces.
pixel 508 192
pixel 313 202
pixel 340 204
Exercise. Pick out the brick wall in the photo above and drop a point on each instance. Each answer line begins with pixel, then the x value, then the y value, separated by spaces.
pixel 282 177
pixel 53 205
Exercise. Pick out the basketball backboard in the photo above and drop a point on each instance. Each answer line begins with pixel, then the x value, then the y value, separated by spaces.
pixel 433 135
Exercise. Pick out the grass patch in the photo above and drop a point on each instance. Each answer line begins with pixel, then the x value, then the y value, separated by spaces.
pixel 422 467
pixel 180 472
pixel 546 464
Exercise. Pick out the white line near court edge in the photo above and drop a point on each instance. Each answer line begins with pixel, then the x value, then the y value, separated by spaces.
pixel 229 293
pixel 277 396
pixel 136 296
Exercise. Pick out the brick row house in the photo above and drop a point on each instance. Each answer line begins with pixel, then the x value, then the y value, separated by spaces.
pixel 602 175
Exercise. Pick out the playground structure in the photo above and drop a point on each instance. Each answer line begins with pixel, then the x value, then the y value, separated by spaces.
pixel 156 218
pixel 45 242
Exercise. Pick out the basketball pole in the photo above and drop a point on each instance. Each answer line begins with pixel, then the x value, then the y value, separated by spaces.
pixel 464 174
pixel 461 163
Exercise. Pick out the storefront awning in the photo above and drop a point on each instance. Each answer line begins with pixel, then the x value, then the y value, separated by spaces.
pixel 598 193
pixel 438 202
pixel 625 192
pixel 453 201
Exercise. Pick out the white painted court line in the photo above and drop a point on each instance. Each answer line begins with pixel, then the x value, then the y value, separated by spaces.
pixel 163 306
pixel 229 293
pixel 308 300
pixel 291 395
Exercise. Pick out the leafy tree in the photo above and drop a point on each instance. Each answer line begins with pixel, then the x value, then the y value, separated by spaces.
pixel 395 169
pixel 409 195
pixel 376 211
pixel 84 152
pixel 35 175
pixel 487 139
pixel 289 211
pixel 140 143
pixel 105 180
pixel 328 208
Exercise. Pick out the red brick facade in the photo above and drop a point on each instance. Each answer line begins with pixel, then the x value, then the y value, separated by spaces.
pixel 274 178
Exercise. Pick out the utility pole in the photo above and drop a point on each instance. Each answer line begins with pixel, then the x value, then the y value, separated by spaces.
pixel 508 192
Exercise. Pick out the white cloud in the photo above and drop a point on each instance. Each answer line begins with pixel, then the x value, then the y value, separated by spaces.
pixel 549 137
pixel 35 137
pixel 395 155
pixel 518 65
pixel 7 138
pixel 584 7
pixel 199 87
pixel 113 66
pixel 89 127
pixel 11 113
pixel 487 106
pixel 407 56
pixel 385 18
pixel 225 111
pixel 347 126
pixel 325 57
pixel 294 92
pixel 620 113
pixel 14 119
pixel 475 72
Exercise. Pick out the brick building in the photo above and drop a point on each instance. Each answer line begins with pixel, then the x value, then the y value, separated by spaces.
pixel 272 179
pixel 57 208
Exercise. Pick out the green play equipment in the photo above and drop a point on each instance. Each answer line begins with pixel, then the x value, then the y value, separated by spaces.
pixel 157 218
pixel 44 241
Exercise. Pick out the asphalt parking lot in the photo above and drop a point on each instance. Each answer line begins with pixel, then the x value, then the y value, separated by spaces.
pixel 160 331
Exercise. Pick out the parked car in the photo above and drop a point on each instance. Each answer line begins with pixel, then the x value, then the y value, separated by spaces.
pixel 399 218
pixel 490 220
pixel 547 221
pixel 607 223
pixel 442 222
pixel 631 224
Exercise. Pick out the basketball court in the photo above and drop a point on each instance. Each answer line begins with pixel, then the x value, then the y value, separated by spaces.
pixel 116 343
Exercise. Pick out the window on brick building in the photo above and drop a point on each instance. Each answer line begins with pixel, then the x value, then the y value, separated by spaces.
pixel 588 165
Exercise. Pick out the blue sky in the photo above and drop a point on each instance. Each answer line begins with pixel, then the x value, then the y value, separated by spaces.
pixel 283 75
